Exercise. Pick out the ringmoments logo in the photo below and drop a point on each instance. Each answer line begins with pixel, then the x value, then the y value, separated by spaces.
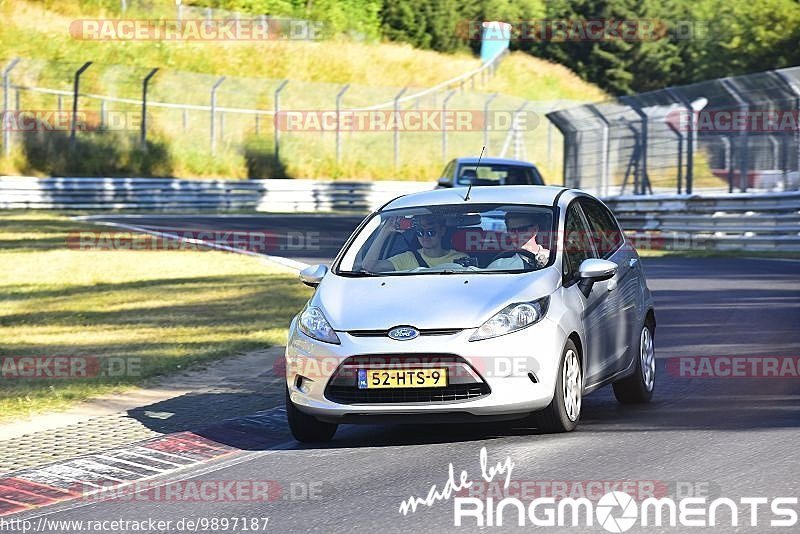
pixel 615 511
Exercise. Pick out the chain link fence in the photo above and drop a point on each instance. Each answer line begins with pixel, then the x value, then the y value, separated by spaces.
pixel 161 122
pixel 734 134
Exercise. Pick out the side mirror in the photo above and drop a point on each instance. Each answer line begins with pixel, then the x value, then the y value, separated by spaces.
pixel 313 275
pixel 444 182
pixel 594 270
pixel 597 270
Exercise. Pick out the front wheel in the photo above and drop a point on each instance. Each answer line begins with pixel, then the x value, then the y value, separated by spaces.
pixel 638 388
pixel 565 409
pixel 307 428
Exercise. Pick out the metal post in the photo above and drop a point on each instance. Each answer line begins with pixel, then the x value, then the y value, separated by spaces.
pixel 103 113
pixel 550 136
pixel 640 186
pixel 258 123
pixel 214 113
pixel 519 151
pixel 339 96
pixel 76 87
pixel 145 82
pixel 690 135
pixel 60 103
pixel 677 131
pixel 486 121
pixel 185 119
pixel 727 154
pixel 741 146
pixel 604 159
pixel 275 125
pixel 444 124
pixel 396 129
pixel 6 88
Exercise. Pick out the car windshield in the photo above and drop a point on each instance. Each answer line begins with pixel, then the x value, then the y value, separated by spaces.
pixel 462 238
pixel 495 174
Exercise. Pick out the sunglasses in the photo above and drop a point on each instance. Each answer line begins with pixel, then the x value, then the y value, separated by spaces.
pixel 426 233
pixel 523 228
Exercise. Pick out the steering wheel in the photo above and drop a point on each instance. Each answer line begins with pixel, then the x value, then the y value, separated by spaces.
pixel 522 252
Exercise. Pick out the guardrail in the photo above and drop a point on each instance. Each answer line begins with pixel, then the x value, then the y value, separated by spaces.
pixel 760 222
pixel 718 222
pixel 172 194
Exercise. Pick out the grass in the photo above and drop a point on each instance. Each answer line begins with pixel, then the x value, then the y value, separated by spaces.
pixel 317 70
pixel 166 310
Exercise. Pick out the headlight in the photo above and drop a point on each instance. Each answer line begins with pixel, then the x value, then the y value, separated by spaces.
pixel 512 318
pixel 313 323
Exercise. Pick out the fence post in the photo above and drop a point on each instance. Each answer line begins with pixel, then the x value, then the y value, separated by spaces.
pixel 677 131
pixel 103 117
pixel 640 186
pixel 76 87
pixel 214 113
pixel 275 118
pixel 486 121
pixel 339 96
pixel 6 88
pixel 604 159
pixel 145 82
pixel 741 146
pixel 444 124
pixel 690 136
pixel 396 129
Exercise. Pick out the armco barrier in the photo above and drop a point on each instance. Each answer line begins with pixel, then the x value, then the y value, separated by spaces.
pixel 768 221
pixel 756 222
pixel 172 194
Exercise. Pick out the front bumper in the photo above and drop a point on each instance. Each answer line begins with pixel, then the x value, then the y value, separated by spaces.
pixel 519 368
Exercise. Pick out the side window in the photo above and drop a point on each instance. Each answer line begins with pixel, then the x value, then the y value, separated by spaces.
pixel 606 233
pixel 448 170
pixel 577 242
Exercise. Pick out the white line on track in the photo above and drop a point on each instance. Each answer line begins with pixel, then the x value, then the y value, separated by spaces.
pixel 284 262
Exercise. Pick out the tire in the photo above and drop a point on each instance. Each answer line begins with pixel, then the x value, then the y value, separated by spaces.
pixel 564 411
pixel 638 388
pixel 306 428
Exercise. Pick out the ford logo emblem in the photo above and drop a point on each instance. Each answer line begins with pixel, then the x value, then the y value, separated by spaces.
pixel 403 333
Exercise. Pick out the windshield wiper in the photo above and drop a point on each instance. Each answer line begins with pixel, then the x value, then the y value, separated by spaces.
pixel 358 273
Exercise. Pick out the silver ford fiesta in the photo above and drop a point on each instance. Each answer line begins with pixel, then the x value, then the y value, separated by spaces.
pixel 497 304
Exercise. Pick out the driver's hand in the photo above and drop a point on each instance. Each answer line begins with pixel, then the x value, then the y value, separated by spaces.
pixel 392 224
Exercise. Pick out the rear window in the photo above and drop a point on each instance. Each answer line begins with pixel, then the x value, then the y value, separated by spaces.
pixel 497 175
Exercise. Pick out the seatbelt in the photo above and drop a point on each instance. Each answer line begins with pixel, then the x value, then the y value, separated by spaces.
pixel 420 260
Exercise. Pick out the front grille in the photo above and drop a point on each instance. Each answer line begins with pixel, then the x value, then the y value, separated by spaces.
pixel 453 392
pixel 385 333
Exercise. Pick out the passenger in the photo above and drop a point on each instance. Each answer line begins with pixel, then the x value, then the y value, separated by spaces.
pixel 430 231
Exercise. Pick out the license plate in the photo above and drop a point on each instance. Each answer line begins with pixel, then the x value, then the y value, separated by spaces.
pixel 429 377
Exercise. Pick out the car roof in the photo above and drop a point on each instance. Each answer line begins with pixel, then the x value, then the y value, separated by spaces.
pixel 487 194
pixel 495 161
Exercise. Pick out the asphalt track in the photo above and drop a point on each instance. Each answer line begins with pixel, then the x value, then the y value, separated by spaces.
pixel 701 436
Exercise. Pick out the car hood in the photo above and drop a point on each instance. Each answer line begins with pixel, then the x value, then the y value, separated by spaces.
pixel 426 301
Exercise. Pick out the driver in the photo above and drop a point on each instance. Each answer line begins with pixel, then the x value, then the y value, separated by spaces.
pixel 524 227
pixel 429 230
